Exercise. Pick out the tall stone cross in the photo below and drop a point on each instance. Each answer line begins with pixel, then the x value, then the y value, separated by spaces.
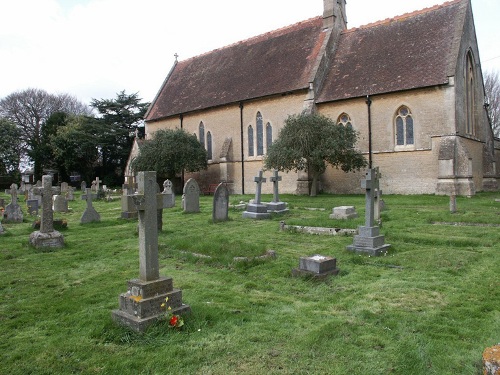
pixel 148 202
pixel 275 180
pixel 370 184
pixel 47 220
pixel 97 182
pixel 258 192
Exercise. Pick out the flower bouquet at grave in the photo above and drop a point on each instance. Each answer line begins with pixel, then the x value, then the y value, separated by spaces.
pixel 174 321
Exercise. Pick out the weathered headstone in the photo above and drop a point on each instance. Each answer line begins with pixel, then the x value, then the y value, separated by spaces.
pixel 191 195
pixel 90 214
pixel 32 205
pixel 255 209
pixel 60 204
pixel 220 211
pixel 317 266
pixel 13 212
pixel 47 236
pixel 140 306
pixel 276 205
pixel 369 240
pixel 34 193
pixel 129 210
pixel 344 213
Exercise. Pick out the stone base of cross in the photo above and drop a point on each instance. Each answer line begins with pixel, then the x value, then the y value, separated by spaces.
pixel 256 209
pixel 140 306
pixel 369 240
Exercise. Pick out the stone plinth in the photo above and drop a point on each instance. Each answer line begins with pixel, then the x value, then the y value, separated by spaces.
pixel 369 241
pixel 491 360
pixel 52 239
pixel 277 207
pixel 256 211
pixel 344 213
pixel 316 266
pixel 140 306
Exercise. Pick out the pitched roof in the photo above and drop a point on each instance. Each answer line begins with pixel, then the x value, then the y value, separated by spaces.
pixel 410 51
pixel 276 62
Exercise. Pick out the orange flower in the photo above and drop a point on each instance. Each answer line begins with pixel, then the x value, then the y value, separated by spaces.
pixel 173 321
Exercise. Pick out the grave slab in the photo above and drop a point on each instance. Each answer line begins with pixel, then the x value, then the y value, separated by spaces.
pixel 316 266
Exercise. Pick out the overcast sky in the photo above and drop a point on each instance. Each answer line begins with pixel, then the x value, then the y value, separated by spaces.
pixel 96 48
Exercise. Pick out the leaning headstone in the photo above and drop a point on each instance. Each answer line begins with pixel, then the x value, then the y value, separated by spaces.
pixel 344 213
pixel 220 211
pixel 255 209
pixel 317 266
pixel 90 214
pixel 60 203
pixel 47 236
pixel 369 240
pixel 191 194
pixel 276 205
pixel 141 306
pixel 32 205
pixel 13 212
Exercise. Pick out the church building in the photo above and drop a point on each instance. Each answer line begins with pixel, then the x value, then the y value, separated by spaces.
pixel 411 84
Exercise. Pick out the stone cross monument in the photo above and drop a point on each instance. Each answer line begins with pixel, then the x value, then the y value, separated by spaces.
pixel 140 306
pixel 90 214
pixel 13 212
pixel 47 236
pixel 257 210
pixel 276 205
pixel 369 241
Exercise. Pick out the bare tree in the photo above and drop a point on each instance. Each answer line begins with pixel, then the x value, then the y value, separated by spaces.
pixel 492 90
pixel 30 109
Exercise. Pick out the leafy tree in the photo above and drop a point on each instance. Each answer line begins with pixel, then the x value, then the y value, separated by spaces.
pixel 75 146
pixel 119 117
pixel 492 90
pixel 170 152
pixel 29 110
pixel 9 148
pixel 308 142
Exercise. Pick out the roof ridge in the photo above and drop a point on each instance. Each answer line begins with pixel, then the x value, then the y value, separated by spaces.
pixel 404 16
pixel 276 31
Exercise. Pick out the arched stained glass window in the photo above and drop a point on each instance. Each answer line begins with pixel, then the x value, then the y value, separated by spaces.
pixel 269 135
pixel 345 119
pixel 250 141
pixel 201 134
pixel 404 127
pixel 260 134
pixel 209 146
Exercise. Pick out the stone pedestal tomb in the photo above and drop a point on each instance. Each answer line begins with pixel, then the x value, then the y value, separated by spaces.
pixel 140 306
pixel 344 213
pixel 13 212
pixel 276 205
pixel 47 236
pixel 369 240
pixel 257 210
pixel 316 266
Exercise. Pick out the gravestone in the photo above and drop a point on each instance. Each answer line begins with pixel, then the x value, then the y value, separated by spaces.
pixel 47 236
pixel 60 204
pixel 34 193
pixel 369 240
pixel 220 210
pixel 378 205
pixel 96 184
pixel 344 213
pixel 90 214
pixel 276 205
pixel 32 205
pixel 191 195
pixel 128 208
pixel 317 266
pixel 255 209
pixel 168 201
pixel 13 212
pixel 83 186
pixel 140 306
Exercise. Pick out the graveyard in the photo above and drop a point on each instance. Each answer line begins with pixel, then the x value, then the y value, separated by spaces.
pixel 429 305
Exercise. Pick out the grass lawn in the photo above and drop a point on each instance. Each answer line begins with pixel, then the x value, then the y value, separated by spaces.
pixel 431 306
